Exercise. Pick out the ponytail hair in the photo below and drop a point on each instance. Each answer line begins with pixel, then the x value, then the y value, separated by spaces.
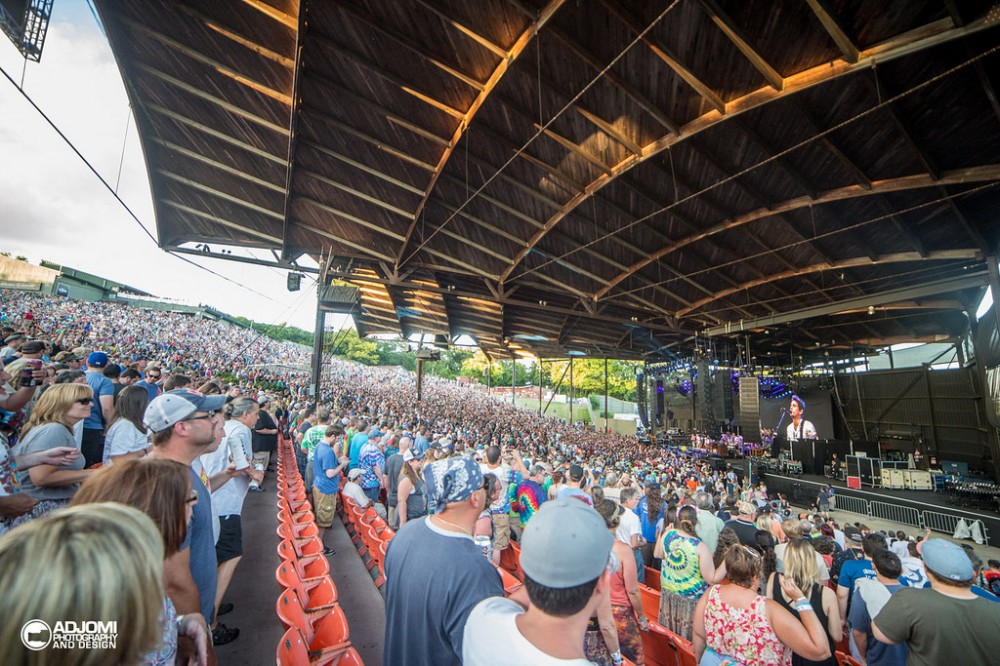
pixel 687 519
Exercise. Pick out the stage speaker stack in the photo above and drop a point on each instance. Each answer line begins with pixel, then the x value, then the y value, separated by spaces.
pixel 658 401
pixel 749 409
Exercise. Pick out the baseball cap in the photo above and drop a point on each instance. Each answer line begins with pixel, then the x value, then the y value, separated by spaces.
pixel 13 338
pixel 747 509
pixel 354 473
pixel 565 544
pixel 575 473
pixel 175 406
pixel 66 357
pixel 947 560
pixel 410 454
pixel 97 359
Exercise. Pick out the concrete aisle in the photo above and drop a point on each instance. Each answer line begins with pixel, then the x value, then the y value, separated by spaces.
pixel 254 590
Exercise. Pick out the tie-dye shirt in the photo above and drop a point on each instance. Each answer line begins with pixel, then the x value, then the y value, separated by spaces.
pixel 530 496
pixel 680 568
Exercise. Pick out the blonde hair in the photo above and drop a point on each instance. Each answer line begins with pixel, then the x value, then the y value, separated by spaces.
pixel 765 522
pixel 800 564
pixel 792 527
pixel 97 562
pixel 53 405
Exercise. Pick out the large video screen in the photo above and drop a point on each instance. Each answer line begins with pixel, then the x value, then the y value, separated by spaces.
pixel 775 414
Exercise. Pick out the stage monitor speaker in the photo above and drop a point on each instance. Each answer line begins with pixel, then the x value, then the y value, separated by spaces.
pixel 294 281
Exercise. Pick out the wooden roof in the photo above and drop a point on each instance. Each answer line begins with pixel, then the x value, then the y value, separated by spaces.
pixel 600 177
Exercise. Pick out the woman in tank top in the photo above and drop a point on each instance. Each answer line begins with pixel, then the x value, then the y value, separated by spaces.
pixel 412 493
pixel 733 622
pixel 800 566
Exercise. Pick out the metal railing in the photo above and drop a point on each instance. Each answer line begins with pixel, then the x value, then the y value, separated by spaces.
pixel 895 513
pixel 945 522
pixel 852 504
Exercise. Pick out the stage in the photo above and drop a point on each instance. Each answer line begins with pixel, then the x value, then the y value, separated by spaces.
pixel 910 507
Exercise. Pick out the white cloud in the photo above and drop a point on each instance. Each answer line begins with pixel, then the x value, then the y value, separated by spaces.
pixel 52 207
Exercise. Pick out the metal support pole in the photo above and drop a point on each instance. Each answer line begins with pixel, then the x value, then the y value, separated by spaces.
pixel 607 425
pixel 539 387
pixel 513 374
pixel 317 354
pixel 420 379
pixel 489 376
pixel 572 394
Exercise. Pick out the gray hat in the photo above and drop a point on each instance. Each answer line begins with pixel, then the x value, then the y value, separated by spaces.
pixel 947 560
pixel 565 544
pixel 13 338
pixel 175 406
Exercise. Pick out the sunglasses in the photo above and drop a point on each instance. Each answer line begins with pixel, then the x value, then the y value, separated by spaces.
pixel 149 376
pixel 85 401
pixel 749 551
pixel 193 499
pixel 207 415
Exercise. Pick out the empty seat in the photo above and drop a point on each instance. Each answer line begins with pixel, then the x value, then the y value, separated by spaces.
pixel 320 629
pixel 292 651
pixel 313 593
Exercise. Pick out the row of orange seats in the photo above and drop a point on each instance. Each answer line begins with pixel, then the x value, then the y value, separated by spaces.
pixel 370 533
pixel 316 630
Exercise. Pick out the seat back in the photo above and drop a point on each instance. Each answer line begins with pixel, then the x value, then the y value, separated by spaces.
pixel 846 660
pixel 651 577
pixel 658 647
pixel 650 602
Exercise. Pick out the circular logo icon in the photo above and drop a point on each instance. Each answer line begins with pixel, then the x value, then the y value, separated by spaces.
pixel 36 634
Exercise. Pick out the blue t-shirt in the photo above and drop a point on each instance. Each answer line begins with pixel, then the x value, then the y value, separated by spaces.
pixel 201 540
pixel 101 386
pixel 421 444
pixel 648 522
pixel 323 459
pixel 879 654
pixel 434 579
pixel 853 570
pixel 152 389
pixel 359 440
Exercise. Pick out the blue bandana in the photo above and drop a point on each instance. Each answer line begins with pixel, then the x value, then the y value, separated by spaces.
pixel 452 480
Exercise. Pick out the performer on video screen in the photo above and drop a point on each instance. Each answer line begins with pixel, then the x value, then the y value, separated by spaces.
pixel 799 428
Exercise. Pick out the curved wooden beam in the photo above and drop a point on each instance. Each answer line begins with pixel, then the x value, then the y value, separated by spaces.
pixel 506 60
pixel 855 262
pixel 913 41
pixel 959 176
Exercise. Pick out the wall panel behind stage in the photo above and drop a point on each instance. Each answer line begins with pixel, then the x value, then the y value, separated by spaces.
pixel 818 410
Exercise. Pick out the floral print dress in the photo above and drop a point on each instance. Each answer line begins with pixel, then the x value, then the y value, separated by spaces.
pixel 743 634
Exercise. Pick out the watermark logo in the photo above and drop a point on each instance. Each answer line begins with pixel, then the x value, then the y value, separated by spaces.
pixel 70 635
pixel 36 634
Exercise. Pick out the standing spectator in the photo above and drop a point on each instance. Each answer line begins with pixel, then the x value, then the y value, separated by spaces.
pixel 743 524
pixel 328 462
pixel 914 573
pixel 265 438
pixel 626 599
pixel 228 496
pixel 185 426
pixel 709 526
pixel 854 570
pixel 150 381
pixel 686 571
pixel 629 528
pixel 566 588
pixel 411 491
pixel 100 412
pixel 915 616
pixel 801 567
pixel 113 371
pixel 303 426
pixel 650 511
pixel 126 438
pixel 359 439
pixel 484 526
pixel 311 439
pixel 435 573
pixel 530 494
pixel 507 472
pixel 393 468
pixel 371 461
pixel 733 621
pixel 870 597
pixel 50 426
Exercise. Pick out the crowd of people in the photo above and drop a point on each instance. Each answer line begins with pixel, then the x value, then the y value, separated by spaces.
pixel 132 412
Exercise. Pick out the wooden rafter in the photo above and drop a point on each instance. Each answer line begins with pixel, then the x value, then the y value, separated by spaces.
pixel 975 174
pixel 214 133
pixel 215 65
pixel 220 28
pixel 855 262
pixel 926 37
pixel 835 28
pixel 188 210
pixel 231 198
pixel 735 34
pixel 489 86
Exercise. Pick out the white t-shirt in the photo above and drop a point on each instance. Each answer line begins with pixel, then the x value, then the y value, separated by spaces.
pixel 353 490
pixel 628 526
pixel 492 638
pixel 123 437
pixel 901 548
pixel 227 499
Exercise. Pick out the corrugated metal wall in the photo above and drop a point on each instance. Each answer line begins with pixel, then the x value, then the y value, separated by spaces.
pixel 944 408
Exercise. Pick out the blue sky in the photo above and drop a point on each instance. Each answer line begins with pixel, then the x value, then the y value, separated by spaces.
pixel 52 207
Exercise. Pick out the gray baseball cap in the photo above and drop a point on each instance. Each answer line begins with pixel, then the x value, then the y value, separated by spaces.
pixel 565 544
pixel 175 406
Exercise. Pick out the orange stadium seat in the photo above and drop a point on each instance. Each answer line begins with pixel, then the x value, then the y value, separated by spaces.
pixel 846 660
pixel 321 629
pixel 297 531
pixel 289 548
pixel 510 583
pixel 651 578
pixel 292 651
pixel 313 593
pixel 659 647
pixel 650 602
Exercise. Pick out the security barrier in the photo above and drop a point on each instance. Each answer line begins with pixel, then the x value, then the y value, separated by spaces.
pixel 852 504
pixel 895 513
